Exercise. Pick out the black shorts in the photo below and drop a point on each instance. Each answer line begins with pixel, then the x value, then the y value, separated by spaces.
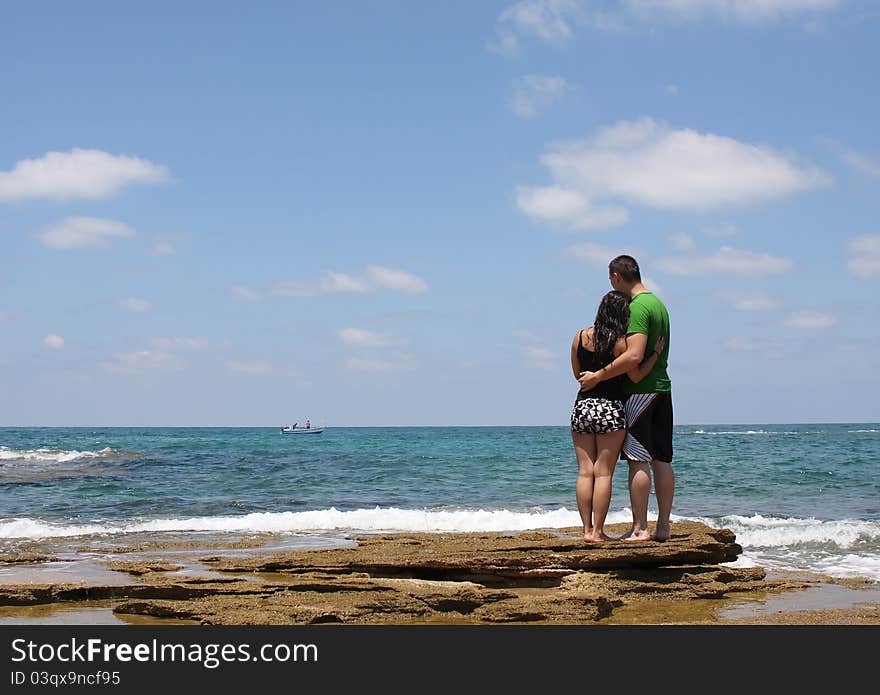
pixel 648 427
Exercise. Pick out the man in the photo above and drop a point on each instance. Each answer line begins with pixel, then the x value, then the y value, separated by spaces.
pixel 648 443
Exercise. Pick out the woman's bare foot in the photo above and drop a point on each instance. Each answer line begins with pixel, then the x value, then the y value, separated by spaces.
pixel 637 535
pixel 588 535
pixel 600 536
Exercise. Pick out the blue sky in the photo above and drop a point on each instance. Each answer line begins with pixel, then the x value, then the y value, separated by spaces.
pixel 392 213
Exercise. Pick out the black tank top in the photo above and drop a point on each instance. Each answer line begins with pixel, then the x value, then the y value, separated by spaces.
pixel 589 361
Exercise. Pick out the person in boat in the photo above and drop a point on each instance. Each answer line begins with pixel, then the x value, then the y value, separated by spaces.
pixel 308 424
pixel 293 426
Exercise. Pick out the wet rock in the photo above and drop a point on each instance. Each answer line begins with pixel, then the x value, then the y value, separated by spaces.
pixel 544 576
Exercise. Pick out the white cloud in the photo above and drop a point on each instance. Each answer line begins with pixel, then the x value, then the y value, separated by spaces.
pixel 554 22
pixel 748 301
pixel 726 261
pixel 340 282
pixel 249 367
pixel 682 242
pixel 534 355
pixel 245 293
pixel 859 161
pixel 79 232
pixel 524 334
pixel 374 278
pixel 535 94
pixel 599 257
pixel 141 361
pixel 865 267
pixel 139 305
pixel 720 231
pixel 595 254
pixel 809 319
pixel 743 344
pixel 360 336
pixel 284 288
pixel 865 244
pixel 549 21
pixel 541 358
pixel 568 208
pixel 862 162
pixel 77 174
pixel 358 364
pixel 747 11
pixel 864 260
pixel 162 248
pixel 648 163
pixel 56 342
pixel 175 343
pixel 651 285
pixel 396 280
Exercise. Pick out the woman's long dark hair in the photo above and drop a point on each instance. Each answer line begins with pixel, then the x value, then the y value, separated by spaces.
pixel 612 320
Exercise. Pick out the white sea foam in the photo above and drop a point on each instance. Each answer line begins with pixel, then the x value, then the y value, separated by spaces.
pixel 847 565
pixel 370 520
pixel 753 532
pixel 52 455
pixel 747 432
pixel 837 548
pixel 843 548
pixel 767 532
pixel 850 566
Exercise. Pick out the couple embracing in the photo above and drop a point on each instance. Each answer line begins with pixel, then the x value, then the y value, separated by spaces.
pixel 624 406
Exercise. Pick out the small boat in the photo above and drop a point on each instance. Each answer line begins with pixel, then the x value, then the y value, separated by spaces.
pixel 302 430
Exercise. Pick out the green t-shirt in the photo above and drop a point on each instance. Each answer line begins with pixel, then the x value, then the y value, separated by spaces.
pixel 648 315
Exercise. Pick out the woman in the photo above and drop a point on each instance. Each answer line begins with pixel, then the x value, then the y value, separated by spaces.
pixel 598 425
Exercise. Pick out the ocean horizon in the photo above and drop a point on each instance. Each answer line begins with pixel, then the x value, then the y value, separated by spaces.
pixel 799 496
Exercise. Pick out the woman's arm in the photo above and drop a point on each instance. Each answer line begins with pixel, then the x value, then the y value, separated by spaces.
pixel 636 374
pixel 575 365
pixel 636 347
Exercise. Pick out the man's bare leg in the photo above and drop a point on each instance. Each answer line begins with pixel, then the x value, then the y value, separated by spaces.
pixel 664 488
pixel 639 491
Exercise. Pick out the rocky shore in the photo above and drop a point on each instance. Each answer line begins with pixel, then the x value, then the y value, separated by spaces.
pixel 547 576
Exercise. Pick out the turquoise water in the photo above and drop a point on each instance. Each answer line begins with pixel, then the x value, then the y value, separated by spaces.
pixel 798 496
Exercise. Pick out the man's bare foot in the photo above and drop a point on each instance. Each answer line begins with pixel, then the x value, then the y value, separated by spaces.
pixel 661 534
pixel 601 536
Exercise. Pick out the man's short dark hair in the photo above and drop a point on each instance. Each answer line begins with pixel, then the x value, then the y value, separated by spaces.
pixel 626 267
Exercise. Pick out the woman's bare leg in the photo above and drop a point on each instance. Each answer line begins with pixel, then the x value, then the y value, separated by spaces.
pixel 585 449
pixel 607 450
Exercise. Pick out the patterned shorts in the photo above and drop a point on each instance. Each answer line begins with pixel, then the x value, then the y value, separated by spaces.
pixel 649 423
pixel 597 416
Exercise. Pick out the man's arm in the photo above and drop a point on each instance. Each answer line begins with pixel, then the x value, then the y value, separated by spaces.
pixel 635 353
pixel 638 373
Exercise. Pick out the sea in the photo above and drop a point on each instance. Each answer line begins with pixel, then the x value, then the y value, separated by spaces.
pixel 799 497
